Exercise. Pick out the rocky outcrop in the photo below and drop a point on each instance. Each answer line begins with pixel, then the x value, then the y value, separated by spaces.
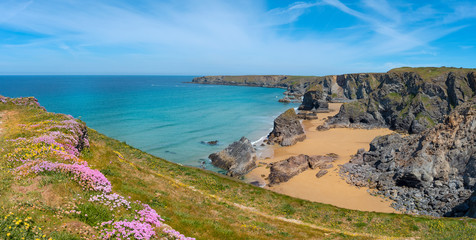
pixel 287 129
pixel 431 173
pixel 238 158
pixel 22 101
pixel 284 170
pixel 406 102
pixel 407 99
pixel 314 100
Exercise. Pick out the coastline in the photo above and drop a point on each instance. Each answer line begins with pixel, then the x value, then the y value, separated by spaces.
pixel 331 188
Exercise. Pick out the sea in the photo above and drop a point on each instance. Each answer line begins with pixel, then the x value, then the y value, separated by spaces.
pixel 162 115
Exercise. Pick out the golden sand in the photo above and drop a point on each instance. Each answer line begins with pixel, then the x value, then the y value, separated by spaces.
pixel 330 188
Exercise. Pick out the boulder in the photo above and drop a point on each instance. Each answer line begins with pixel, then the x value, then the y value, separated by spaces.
pixel 287 129
pixel 238 158
pixel 321 161
pixel 285 170
pixel 321 173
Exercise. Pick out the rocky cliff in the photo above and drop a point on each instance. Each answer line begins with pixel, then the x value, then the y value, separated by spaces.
pixel 433 172
pixel 405 99
pixel 406 102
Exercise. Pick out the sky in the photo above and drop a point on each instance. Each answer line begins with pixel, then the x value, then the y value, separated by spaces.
pixel 223 37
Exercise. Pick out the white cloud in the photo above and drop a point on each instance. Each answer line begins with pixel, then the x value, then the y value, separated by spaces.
pixel 206 37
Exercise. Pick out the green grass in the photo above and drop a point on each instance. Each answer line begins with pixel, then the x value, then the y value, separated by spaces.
pixel 196 202
pixel 429 73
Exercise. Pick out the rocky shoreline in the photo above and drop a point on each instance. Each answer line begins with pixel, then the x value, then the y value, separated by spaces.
pixel 431 173
pixel 428 172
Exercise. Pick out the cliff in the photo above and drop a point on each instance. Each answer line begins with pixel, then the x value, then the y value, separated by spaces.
pixel 59 181
pixel 432 173
pixel 403 99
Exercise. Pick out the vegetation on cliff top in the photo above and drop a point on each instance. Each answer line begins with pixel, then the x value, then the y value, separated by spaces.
pixel 197 203
pixel 429 73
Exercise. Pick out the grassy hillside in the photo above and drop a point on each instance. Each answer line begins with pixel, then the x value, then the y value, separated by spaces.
pixel 196 203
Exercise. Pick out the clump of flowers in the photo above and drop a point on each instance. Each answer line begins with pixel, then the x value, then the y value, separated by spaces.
pixel 23 101
pixel 56 147
pixel 112 200
pixel 89 179
pixel 127 229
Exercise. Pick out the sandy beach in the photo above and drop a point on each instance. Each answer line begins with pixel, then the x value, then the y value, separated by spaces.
pixel 330 188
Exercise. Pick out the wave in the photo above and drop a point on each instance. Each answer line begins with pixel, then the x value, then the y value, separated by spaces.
pixel 261 139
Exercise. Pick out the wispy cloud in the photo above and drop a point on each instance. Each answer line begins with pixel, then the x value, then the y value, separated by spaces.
pixel 215 37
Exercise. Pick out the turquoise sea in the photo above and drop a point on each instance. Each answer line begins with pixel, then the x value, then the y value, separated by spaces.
pixel 161 115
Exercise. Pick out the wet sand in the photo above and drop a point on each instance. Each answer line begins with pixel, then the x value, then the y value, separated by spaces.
pixel 330 188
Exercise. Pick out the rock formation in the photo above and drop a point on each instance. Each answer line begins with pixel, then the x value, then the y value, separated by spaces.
pixel 431 173
pixel 407 102
pixel 406 99
pixel 287 129
pixel 284 170
pixel 314 100
pixel 238 158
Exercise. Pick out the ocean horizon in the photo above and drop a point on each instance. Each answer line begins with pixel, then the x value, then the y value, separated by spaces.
pixel 163 115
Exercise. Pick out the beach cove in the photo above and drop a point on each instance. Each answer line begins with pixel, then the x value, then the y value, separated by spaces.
pixel 330 188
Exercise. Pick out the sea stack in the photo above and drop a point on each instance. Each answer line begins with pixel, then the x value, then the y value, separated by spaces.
pixel 238 158
pixel 287 129
pixel 314 100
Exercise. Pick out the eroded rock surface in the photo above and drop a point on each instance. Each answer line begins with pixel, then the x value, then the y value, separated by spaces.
pixel 429 173
pixel 238 158
pixel 287 129
pixel 406 102
pixel 284 170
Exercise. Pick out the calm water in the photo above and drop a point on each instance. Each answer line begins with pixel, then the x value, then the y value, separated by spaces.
pixel 158 114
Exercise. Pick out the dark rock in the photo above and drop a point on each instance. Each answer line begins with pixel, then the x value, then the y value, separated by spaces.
pixel 314 99
pixel 285 170
pixel 238 158
pixel 284 100
pixel 320 161
pixel 307 115
pixel 328 166
pixel 321 173
pixel 211 143
pixel 435 168
pixel 404 101
pixel 287 129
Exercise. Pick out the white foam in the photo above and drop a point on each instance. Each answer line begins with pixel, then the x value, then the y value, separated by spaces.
pixel 259 140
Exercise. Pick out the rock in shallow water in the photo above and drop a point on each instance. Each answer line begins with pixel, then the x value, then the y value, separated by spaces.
pixel 238 158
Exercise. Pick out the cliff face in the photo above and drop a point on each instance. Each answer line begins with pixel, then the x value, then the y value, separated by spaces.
pixel 406 102
pixel 274 81
pixel 407 99
pixel 433 172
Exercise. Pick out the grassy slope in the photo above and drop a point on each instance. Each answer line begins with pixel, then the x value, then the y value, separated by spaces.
pixel 197 203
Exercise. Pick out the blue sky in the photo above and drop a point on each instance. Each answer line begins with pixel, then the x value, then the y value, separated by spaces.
pixel 209 37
